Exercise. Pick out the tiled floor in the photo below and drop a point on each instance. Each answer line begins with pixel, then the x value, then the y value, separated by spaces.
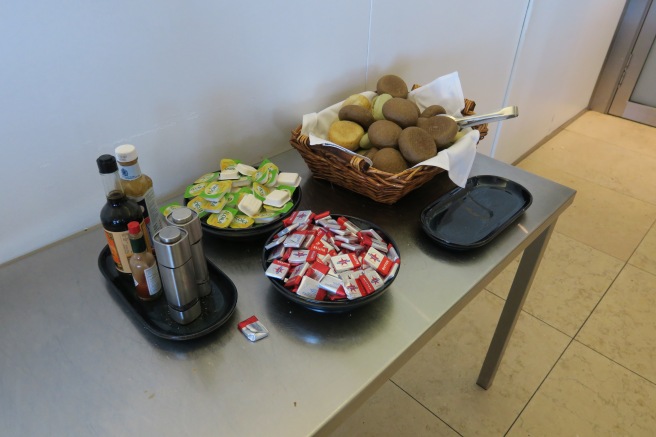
pixel 582 359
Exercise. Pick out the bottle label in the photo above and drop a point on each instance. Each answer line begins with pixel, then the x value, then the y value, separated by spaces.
pixel 153 280
pixel 129 172
pixel 152 216
pixel 119 246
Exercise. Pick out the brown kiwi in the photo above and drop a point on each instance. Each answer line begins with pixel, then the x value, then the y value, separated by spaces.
pixel 389 160
pixel 393 85
pixel 356 114
pixel 442 129
pixel 369 153
pixel 416 145
pixel 401 111
pixel 433 110
pixel 384 133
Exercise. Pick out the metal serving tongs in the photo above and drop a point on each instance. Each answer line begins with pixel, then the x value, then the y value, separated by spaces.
pixel 475 120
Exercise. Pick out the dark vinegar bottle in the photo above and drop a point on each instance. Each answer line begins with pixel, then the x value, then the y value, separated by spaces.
pixel 117 213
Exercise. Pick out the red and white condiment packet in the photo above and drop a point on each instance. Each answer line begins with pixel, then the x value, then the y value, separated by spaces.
pixel 278 269
pixel 344 262
pixel 374 278
pixel 253 329
pixel 350 286
pixel 309 289
pixel 378 261
pixel 331 283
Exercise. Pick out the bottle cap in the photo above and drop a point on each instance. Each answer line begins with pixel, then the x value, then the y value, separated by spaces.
pixel 170 235
pixel 181 216
pixel 134 228
pixel 126 153
pixel 106 164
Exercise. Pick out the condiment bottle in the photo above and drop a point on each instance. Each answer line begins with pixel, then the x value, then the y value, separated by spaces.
pixel 143 265
pixel 117 213
pixel 139 187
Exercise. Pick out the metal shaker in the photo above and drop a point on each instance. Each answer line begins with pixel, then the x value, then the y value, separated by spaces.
pixel 187 219
pixel 176 269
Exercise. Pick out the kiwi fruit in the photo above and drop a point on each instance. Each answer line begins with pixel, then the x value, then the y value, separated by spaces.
pixel 401 111
pixel 346 133
pixel 377 105
pixel 393 85
pixel 389 160
pixel 364 142
pixel 384 133
pixel 357 114
pixel 433 110
pixel 416 145
pixel 442 129
pixel 369 153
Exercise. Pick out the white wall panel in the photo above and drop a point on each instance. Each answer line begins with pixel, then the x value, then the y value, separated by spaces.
pixel 564 48
pixel 422 39
pixel 191 82
pixel 186 82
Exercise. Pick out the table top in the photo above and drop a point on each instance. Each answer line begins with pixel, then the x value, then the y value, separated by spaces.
pixel 75 362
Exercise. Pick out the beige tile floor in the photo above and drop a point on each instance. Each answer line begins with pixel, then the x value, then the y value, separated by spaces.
pixel 582 359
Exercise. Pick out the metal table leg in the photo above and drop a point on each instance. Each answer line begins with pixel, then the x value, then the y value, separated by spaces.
pixel 528 266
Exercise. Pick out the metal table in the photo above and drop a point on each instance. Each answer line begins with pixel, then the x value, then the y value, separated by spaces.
pixel 75 362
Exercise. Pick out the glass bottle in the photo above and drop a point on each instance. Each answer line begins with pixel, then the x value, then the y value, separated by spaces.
pixel 143 265
pixel 117 213
pixel 139 187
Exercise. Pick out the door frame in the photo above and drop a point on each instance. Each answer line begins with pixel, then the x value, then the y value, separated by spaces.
pixel 623 62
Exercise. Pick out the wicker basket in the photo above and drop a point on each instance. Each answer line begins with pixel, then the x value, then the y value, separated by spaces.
pixel 354 173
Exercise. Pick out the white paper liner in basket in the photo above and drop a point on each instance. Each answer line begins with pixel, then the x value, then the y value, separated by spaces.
pixel 446 90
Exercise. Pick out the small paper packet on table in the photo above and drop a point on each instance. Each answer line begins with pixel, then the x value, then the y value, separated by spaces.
pixel 253 329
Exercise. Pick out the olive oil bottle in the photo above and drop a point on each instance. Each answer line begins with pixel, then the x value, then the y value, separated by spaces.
pixel 139 187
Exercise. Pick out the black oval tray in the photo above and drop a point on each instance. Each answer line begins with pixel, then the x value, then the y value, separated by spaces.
pixel 340 306
pixel 217 307
pixel 256 231
pixel 470 217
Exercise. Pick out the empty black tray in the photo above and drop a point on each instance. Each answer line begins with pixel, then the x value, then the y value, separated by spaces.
pixel 217 307
pixel 470 217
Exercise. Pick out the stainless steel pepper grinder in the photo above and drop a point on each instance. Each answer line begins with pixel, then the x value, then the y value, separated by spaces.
pixel 176 269
pixel 188 220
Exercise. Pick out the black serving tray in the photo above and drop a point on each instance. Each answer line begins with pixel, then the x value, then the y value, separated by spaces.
pixel 341 305
pixel 470 217
pixel 217 307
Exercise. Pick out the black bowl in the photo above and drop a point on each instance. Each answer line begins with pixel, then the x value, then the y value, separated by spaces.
pixel 341 305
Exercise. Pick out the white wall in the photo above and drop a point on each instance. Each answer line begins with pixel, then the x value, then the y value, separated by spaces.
pixel 560 57
pixel 190 82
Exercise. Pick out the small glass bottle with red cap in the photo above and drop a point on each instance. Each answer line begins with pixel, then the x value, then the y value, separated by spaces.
pixel 143 265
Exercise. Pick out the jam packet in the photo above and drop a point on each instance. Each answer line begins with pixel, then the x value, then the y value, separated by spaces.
pixel 253 329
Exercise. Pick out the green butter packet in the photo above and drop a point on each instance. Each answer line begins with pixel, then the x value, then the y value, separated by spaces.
pixel 194 190
pixel 231 200
pixel 168 208
pixel 222 219
pixel 266 217
pixel 282 209
pixel 197 205
pixel 207 177
pixel 215 190
pixel 286 188
pixel 260 191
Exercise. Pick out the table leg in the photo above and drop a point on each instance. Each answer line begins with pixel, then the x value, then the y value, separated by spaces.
pixel 528 266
